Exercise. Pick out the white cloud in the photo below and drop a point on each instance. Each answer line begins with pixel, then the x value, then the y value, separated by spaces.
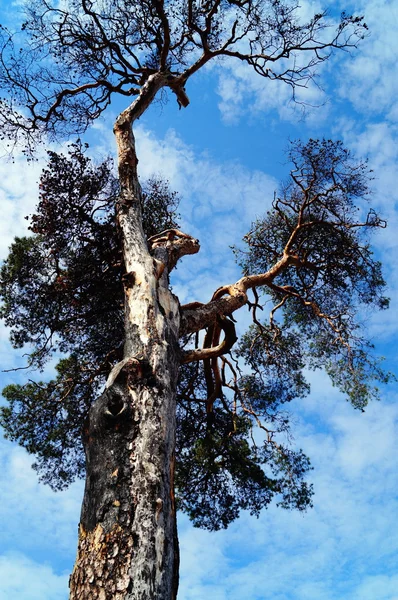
pixel 329 551
pixel 46 521
pixel 24 579
pixel 18 197
pixel 369 81
pixel 219 201
pixel 364 76
pixel 382 587
pixel 244 94
pixel 378 143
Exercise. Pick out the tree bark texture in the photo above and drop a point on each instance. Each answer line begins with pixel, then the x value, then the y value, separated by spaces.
pixel 127 539
pixel 127 548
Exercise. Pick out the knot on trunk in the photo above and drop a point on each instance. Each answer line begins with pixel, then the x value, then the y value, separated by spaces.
pixel 128 279
pixel 116 406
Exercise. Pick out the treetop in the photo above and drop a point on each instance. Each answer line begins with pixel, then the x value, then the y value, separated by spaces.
pixel 61 71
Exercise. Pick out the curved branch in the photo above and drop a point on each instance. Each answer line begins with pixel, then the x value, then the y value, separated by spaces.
pixel 225 346
pixel 227 299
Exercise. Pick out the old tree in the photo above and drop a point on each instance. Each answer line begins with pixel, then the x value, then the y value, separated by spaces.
pixel 91 282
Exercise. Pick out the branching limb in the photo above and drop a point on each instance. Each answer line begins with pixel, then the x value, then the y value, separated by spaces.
pixel 227 299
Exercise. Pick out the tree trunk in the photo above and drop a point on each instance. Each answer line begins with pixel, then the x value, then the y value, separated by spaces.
pixel 128 547
pixel 127 535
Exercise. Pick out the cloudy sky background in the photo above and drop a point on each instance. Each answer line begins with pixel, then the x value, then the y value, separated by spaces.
pixel 225 155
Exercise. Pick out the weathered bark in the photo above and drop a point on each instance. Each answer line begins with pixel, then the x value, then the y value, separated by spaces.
pixel 127 541
pixel 127 547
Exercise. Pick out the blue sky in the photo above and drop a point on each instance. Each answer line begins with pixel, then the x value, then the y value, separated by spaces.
pixel 224 153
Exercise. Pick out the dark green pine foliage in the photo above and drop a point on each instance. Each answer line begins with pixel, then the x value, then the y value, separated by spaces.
pixel 222 469
pixel 62 292
pixel 323 218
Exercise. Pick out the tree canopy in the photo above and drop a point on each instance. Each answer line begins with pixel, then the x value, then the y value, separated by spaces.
pixel 62 291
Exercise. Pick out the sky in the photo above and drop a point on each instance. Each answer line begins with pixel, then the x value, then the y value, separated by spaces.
pixel 225 155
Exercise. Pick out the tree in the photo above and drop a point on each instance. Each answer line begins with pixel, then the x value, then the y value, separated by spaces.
pixel 93 282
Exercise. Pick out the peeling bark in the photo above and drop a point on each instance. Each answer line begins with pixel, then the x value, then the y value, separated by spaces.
pixel 127 541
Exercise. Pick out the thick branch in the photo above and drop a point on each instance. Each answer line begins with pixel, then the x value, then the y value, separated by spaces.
pixel 226 299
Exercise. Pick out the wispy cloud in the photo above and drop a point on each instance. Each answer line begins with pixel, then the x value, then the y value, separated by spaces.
pixel 337 550
pixel 46 521
pixel 368 80
pixel 219 201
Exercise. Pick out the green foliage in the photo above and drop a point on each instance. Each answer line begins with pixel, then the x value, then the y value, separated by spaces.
pixel 223 472
pixel 61 287
pixel 51 291
pixel 47 418
pixel 277 363
pixel 332 276
pixel 223 465
pixel 62 292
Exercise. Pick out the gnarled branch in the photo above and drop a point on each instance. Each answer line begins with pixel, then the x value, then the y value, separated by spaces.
pixel 213 352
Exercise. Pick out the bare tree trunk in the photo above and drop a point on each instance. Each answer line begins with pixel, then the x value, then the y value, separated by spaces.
pixel 128 547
